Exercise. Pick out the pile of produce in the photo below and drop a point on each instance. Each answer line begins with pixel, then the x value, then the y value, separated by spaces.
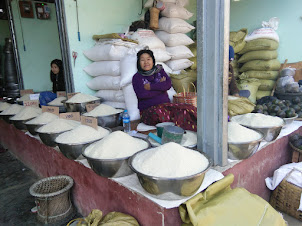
pixel 296 141
pixel 280 108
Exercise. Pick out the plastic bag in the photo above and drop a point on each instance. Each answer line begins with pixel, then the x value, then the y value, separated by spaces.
pixel 283 81
pixel 239 106
pixel 46 97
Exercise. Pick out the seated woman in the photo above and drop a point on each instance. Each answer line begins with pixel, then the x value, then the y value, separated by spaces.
pixel 151 84
pixel 58 83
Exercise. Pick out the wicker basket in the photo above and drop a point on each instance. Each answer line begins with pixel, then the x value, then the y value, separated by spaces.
pixel 286 198
pixel 186 97
pixel 297 153
pixel 52 198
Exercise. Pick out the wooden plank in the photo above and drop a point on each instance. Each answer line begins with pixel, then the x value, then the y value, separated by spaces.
pixel 295 157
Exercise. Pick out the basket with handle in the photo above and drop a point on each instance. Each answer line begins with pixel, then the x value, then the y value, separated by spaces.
pixel 286 197
pixel 186 97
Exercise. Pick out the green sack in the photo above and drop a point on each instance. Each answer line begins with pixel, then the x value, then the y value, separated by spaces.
pixel 261 65
pixel 250 84
pixel 237 39
pixel 260 44
pixel 193 48
pixel 194 60
pixel 184 80
pixel 261 94
pixel 266 85
pixel 219 205
pixel 239 106
pixel 271 75
pixel 258 55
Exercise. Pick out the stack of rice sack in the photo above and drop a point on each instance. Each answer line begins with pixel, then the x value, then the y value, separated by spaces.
pixel 105 70
pixel 172 31
pixel 258 60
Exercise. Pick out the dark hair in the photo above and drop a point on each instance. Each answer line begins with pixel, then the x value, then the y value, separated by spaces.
pixel 58 63
pixel 58 81
pixel 141 52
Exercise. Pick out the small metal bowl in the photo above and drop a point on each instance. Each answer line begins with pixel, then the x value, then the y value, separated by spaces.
pixel 49 138
pixel 79 107
pixel 112 168
pixel 6 118
pixel 269 133
pixel 110 121
pixel 170 188
pixel 73 151
pixel 62 108
pixel 243 150
pixel 33 127
pixel 20 124
pixel 289 120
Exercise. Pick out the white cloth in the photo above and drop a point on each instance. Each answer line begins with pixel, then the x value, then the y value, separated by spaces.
pixel 143 127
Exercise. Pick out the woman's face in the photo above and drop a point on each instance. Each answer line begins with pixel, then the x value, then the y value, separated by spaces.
pixel 146 62
pixel 55 69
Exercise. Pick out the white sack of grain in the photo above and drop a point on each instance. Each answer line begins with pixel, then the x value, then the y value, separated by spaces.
pixel 174 25
pixel 104 83
pixel 175 11
pixel 161 55
pixel 174 39
pixel 147 38
pixel 180 52
pixel 181 64
pixel 111 68
pixel 120 105
pixel 111 95
pixel 131 102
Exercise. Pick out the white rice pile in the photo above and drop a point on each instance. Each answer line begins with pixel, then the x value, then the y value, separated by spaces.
pixel 57 101
pixel 116 145
pixel 81 98
pixel 82 134
pixel 240 134
pixel 12 110
pixel 44 118
pixel 257 120
pixel 170 160
pixel 27 113
pixel 102 110
pixel 4 106
pixel 58 125
pixel 24 97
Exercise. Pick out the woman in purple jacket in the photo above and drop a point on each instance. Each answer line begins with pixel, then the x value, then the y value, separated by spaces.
pixel 151 84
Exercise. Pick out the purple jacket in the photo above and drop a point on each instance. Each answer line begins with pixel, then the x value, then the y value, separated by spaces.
pixel 158 90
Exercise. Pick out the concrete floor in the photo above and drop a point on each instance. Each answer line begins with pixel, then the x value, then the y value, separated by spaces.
pixel 16 202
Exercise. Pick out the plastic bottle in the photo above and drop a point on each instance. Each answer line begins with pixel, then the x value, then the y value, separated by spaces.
pixel 126 121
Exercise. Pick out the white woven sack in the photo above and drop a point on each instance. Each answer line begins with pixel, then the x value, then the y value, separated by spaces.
pixel 128 68
pixel 161 55
pixel 165 66
pixel 105 82
pixel 181 64
pixel 111 95
pixel 174 25
pixel 131 102
pixel 265 32
pixel 103 68
pixel 176 11
pixel 121 105
pixel 180 52
pixel 105 51
pixel 171 93
pixel 148 38
pixel 174 39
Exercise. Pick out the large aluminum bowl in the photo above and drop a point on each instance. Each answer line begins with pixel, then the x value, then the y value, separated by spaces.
pixel 20 124
pixel 79 107
pixel 6 118
pixel 269 133
pixel 111 167
pixel 243 150
pixel 33 127
pixel 49 138
pixel 73 151
pixel 110 121
pixel 170 188
pixel 62 108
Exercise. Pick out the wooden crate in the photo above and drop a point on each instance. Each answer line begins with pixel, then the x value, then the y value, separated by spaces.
pixel 297 153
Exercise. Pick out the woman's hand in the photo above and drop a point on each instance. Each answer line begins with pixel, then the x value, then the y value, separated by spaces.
pixel 163 79
pixel 147 86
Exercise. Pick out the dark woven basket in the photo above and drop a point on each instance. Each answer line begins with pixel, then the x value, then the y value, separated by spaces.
pixel 294 148
pixel 286 198
pixel 52 198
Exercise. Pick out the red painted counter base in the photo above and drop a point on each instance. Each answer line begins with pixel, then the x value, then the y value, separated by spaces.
pixel 90 191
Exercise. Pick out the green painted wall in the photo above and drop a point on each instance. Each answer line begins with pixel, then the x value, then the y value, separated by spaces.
pixel 250 14
pixel 41 40
pixel 95 17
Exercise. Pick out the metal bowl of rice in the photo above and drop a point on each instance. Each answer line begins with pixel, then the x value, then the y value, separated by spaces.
pixel 170 188
pixel 20 124
pixel 79 107
pixel 110 121
pixel 112 168
pixel 33 127
pixel 49 138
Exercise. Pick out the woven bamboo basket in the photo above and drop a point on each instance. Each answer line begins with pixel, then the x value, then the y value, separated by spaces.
pixel 186 97
pixel 286 198
pixel 297 153
pixel 52 197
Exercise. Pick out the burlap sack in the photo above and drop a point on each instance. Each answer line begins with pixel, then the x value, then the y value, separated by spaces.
pixel 258 55
pixel 260 44
pixel 271 75
pixel 261 65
